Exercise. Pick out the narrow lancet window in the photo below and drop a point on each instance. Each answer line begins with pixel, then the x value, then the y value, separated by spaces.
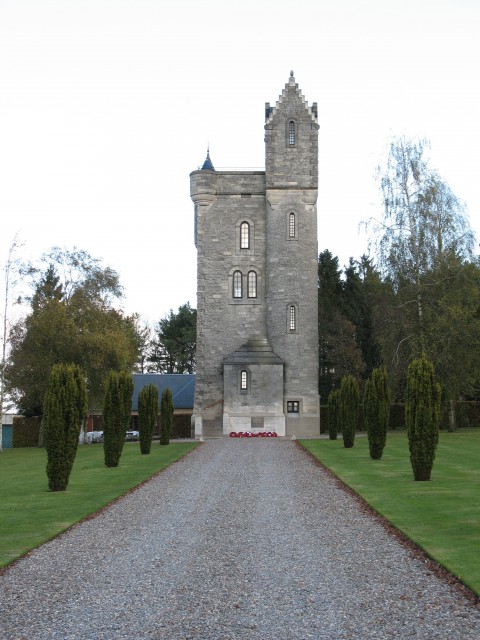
pixel 252 284
pixel 244 380
pixel 244 235
pixel 291 226
pixel 291 133
pixel 237 284
pixel 292 318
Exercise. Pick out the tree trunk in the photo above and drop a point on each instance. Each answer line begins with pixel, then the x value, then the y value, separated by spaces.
pixel 422 474
pixel 451 415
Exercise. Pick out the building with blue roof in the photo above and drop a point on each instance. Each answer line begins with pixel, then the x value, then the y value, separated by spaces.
pixel 182 386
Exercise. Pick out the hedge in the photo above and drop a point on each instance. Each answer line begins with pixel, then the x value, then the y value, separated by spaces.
pixel 467 415
pixel 25 432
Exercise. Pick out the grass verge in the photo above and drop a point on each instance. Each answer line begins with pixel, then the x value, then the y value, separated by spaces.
pixel 30 514
pixel 441 516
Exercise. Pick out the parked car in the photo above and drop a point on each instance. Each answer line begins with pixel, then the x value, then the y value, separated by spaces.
pixel 94 436
pixel 132 435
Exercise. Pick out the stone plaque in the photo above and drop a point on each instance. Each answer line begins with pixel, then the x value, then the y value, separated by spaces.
pixel 257 423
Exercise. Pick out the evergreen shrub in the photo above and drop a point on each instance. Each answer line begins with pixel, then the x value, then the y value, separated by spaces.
pixel 26 431
pixel 147 416
pixel 181 426
pixel 349 408
pixel 422 414
pixel 397 416
pixel 166 416
pixel 117 412
pixel 468 414
pixel 333 414
pixel 64 407
pixel 376 407
pixel 324 418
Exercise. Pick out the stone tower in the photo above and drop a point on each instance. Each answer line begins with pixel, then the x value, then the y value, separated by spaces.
pixel 256 239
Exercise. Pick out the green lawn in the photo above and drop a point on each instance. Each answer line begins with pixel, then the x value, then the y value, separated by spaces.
pixel 441 516
pixel 30 514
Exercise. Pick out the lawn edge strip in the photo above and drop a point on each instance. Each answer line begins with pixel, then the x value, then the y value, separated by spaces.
pixel 95 513
pixel 415 549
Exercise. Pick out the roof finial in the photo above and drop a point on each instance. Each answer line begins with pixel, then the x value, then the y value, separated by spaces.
pixel 291 79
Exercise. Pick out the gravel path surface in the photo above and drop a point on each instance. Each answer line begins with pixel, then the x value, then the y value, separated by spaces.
pixel 240 539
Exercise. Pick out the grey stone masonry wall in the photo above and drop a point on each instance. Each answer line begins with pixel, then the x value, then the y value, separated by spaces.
pixel 291 262
pixel 279 206
pixel 291 165
pixel 257 405
pixel 222 201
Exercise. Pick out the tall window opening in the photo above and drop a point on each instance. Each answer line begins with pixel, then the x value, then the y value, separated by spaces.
pixel 244 235
pixel 291 226
pixel 291 133
pixel 237 284
pixel 292 318
pixel 252 284
pixel 244 380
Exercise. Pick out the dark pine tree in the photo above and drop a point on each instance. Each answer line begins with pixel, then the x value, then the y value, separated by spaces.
pixel 329 302
pixel 360 278
pixel 48 289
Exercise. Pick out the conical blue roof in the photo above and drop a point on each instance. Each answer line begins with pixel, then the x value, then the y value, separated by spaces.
pixel 207 165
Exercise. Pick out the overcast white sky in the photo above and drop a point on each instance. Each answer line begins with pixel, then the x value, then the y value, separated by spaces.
pixel 106 106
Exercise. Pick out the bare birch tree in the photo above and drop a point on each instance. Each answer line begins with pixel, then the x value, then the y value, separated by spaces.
pixel 424 247
pixel 10 272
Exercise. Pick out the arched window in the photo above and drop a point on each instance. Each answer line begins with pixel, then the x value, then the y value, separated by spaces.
pixel 244 235
pixel 244 380
pixel 291 226
pixel 292 318
pixel 237 284
pixel 252 284
pixel 291 133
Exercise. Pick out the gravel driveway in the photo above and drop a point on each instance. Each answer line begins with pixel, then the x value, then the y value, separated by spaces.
pixel 240 539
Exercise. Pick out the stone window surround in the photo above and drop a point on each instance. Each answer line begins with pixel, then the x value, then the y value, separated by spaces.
pixel 244 235
pixel 291 133
pixel 293 407
pixel 290 317
pixel 244 299
pixel 239 251
pixel 252 284
pixel 244 381
pixel 295 225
